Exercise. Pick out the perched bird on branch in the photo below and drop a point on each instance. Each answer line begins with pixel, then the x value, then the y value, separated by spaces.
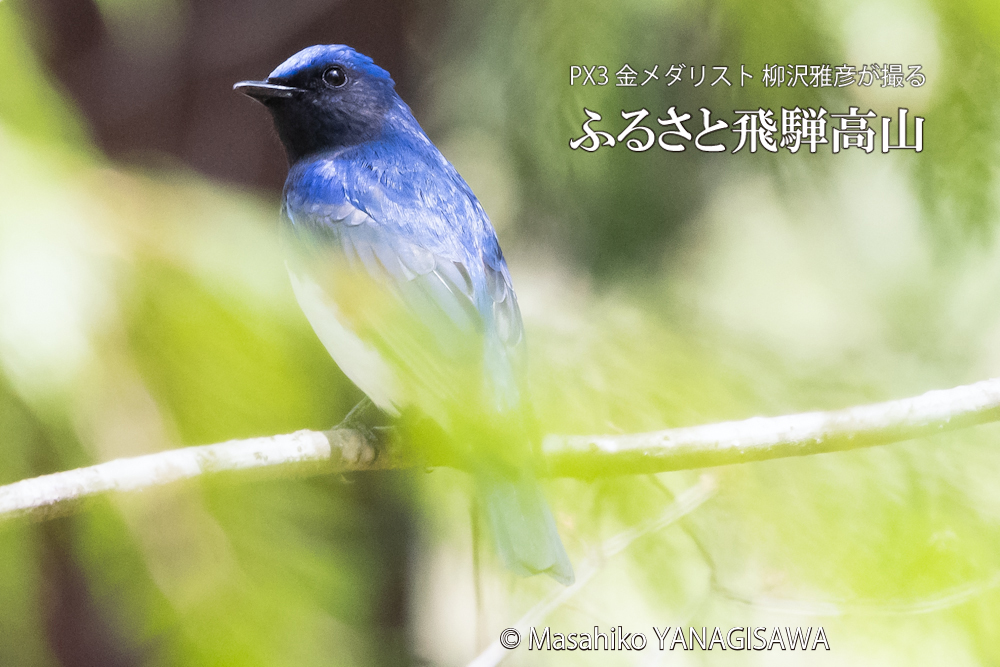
pixel 399 271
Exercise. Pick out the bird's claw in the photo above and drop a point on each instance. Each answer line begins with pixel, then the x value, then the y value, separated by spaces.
pixel 358 440
pixel 357 448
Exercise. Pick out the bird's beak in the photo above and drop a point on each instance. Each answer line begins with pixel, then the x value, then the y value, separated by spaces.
pixel 264 90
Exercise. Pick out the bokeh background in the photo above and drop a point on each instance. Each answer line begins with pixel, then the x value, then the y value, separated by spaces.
pixel 144 306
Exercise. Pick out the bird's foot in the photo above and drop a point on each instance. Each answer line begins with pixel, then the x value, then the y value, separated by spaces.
pixel 358 438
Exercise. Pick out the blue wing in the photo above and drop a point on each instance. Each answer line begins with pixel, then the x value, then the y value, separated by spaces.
pixel 414 235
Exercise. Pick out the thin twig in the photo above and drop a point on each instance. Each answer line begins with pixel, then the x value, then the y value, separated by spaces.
pixel 343 449
pixel 685 503
pixel 932 603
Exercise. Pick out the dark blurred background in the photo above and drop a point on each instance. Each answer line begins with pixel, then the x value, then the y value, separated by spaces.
pixel 158 86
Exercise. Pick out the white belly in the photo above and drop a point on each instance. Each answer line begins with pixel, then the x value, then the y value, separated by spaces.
pixel 359 360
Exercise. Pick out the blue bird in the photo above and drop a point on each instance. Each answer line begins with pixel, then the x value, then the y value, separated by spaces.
pixel 398 269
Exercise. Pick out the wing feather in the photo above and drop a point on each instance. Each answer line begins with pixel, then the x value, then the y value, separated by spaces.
pixel 442 319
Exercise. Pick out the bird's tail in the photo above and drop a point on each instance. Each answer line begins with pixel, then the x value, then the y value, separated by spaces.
pixel 523 529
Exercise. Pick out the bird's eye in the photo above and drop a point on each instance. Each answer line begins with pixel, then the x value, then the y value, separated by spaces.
pixel 335 77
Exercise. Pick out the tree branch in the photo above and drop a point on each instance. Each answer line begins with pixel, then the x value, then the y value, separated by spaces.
pixel 337 450
pixel 341 450
pixel 762 438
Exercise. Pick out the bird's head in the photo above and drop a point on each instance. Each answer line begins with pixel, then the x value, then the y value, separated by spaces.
pixel 325 97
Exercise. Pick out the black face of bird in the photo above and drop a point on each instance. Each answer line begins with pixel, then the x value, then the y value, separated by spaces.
pixel 325 98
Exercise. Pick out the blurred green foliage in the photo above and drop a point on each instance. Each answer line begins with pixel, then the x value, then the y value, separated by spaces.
pixel 658 290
